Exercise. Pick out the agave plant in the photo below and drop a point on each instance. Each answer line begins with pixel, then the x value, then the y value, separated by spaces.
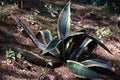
pixel 67 47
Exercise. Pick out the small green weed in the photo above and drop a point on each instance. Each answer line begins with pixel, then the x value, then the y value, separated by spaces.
pixel 3 14
pixel 32 17
pixel 27 63
pixel 105 7
pixel 34 11
pixel 52 9
pixel 10 55
pixel 103 32
pixel 14 6
pixel 19 28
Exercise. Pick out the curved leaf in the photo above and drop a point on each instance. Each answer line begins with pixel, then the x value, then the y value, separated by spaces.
pixel 72 34
pixel 96 63
pixel 99 66
pixel 35 58
pixel 81 48
pixel 77 41
pixel 51 46
pixel 57 43
pixel 81 71
pixel 46 36
pixel 30 56
pixel 31 34
pixel 65 44
pixel 91 46
pixel 100 43
pixel 64 22
pixel 86 30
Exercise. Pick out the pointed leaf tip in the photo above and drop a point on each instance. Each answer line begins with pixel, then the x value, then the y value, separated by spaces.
pixel 64 22
pixel 80 70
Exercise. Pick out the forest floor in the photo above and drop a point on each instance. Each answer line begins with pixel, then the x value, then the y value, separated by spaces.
pixel 38 17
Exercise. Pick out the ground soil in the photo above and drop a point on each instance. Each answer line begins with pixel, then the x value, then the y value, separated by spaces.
pixel 81 18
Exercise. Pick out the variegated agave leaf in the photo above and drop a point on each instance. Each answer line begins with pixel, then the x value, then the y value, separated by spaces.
pixel 99 43
pixel 30 56
pixel 64 22
pixel 81 48
pixel 82 71
pixel 51 48
pixel 99 66
pixel 35 58
pixel 96 63
pixel 46 36
pixel 65 44
pixel 31 34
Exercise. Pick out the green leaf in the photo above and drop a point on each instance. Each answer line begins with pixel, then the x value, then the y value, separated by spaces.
pixel 81 48
pixel 67 46
pixel 35 58
pixel 77 41
pixel 91 46
pixel 64 22
pixel 31 34
pixel 55 53
pixel 63 45
pixel 30 56
pixel 96 63
pixel 51 46
pixel 46 36
pixel 98 66
pixel 100 43
pixel 85 30
pixel 72 34
pixel 81 71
